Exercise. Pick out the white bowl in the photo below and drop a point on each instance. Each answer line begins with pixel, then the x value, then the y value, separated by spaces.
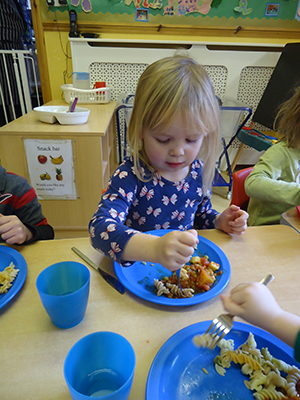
pixel 51 114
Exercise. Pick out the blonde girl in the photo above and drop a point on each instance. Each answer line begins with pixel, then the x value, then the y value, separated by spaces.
pixel 166 182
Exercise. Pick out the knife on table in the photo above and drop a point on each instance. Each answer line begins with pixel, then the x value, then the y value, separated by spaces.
pixel 109 278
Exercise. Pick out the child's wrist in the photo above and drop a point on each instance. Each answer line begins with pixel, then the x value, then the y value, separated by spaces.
pixel 28 235
pixel 217 222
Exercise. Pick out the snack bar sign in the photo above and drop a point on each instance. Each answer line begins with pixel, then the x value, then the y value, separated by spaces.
pixel 51 168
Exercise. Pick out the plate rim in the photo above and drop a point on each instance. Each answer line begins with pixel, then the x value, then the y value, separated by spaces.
pixel 17 285
pixel 162 300
pixel 192 329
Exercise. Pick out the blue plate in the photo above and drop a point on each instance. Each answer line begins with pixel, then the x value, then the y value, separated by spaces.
pixel 139 278
pixel 8 255
pixel 176 372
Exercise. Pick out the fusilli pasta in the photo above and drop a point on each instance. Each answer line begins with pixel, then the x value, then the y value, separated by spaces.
pixel 269 394
pixel 264 371
pixel 196 277
pixel 202 340
pixel 7 277
pixel 160 287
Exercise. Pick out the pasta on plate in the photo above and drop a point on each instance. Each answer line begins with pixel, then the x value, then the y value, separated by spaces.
pixel 269 378
pixel 196 277
pixel 7 277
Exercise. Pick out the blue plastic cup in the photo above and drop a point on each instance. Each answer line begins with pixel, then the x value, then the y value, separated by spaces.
pixel 100 366
pixel 64 291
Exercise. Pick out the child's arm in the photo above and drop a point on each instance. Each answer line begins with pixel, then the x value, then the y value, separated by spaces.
pixel 232 220
pixel 274 177
pixel 22 220
pixel 256 304
pixel 13 231
pixel 172 250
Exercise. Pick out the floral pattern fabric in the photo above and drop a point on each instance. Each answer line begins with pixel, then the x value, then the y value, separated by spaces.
pixel 130 205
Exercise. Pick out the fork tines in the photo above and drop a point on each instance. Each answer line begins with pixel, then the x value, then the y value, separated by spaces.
pixel 224 322
pixel 219 328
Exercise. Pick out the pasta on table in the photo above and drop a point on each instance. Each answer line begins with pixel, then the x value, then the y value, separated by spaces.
pixel 269 378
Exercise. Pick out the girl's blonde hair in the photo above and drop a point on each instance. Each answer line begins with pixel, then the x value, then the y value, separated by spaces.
pixel 166 88
pixel 287 121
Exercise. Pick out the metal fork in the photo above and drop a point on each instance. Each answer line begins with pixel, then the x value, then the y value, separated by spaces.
pixel 178 277
pixel 222 325
pixel 178 270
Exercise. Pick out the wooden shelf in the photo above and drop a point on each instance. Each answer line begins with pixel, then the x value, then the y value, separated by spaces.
pixel 94 161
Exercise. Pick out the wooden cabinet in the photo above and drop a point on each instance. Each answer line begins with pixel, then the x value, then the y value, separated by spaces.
pixel 94 151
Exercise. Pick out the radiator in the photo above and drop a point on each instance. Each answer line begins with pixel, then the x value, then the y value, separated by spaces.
pixel 239 71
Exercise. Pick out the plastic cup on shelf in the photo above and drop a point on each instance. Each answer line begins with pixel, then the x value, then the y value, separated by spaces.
pixel 81 80
pixel 64 291
pixel 100 366
pixel 98 85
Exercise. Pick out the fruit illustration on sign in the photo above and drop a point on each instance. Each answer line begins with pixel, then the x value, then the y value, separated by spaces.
pixel 42 159
pixel 59 176
pixel 57 160
pixel 45 176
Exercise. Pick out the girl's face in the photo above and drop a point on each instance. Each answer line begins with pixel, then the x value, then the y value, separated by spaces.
pixel 172 150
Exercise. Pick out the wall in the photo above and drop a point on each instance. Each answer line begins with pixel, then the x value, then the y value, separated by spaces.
pixel 236 54
pixel 192 13
pixel 193 27
pixel 60 67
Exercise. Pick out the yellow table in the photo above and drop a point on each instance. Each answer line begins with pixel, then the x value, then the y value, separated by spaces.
pixel 94 153
pixel 33 349
pixel 291 218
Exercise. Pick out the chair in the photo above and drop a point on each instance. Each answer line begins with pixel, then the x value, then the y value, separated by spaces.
pixel 239 196
pixel 252 138
pixel 123 113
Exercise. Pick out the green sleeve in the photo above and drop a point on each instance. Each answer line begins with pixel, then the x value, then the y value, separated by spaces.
pixel 275 177
pixel 297 348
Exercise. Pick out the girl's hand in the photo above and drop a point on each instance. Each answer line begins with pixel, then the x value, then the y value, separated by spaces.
pixel 12 230
pixel 232 220
pixel 253 302
pixel 174 249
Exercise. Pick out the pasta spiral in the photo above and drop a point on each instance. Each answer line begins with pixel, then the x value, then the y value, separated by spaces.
pixel 198 276
pixel 292 378
pixel 7 277
pixel 160 287
pixel 269 394
pixel 175 289
pixel 242 358
pixel 264 371
pixel 202 340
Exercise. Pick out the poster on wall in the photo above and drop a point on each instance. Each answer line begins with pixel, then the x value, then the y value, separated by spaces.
pixel 51 168
pixel 190 11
